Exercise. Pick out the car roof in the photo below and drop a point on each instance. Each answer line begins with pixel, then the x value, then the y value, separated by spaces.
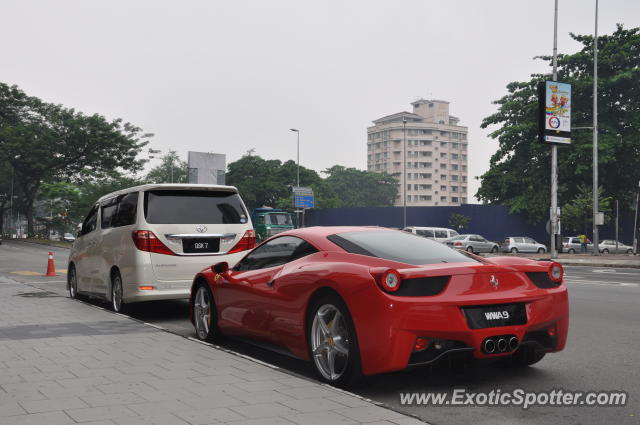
pixel 169 186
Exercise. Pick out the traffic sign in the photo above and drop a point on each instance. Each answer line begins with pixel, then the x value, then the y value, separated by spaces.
pixel 304 201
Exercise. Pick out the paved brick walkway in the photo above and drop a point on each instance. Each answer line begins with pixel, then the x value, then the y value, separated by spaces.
pixel 66 362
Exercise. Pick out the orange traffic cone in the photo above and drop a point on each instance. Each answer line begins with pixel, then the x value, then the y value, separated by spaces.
pixel 51 268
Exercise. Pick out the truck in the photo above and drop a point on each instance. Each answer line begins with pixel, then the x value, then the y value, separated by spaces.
pixel 270 221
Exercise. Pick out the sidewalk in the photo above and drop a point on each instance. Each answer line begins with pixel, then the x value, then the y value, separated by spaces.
pixel 63 362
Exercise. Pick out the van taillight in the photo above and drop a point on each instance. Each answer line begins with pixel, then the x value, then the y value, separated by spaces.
pixel 145 240
pixel 248 241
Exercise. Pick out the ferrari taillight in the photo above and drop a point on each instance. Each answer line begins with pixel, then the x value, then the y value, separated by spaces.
pixel 556 272
pixel 146 240
pixel 421 344
pixel 247 242
pixel 390 281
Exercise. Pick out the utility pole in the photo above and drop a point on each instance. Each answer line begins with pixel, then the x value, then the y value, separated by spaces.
pixel 295 130
pixel 616 226
pixel 596 251
pixel 404 173
pixel 554 148
pixel 635 223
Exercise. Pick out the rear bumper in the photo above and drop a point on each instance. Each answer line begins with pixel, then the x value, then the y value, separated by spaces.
pixel 387 327
pixel 137 295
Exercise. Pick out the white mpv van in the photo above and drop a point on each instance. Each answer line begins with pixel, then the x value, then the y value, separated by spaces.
pixel 148 242
pixel 439 234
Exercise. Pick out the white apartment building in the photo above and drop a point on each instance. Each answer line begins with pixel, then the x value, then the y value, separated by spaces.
pixel 436 154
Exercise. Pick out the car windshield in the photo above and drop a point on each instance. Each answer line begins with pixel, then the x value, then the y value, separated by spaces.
pixel 279 219
pixel 398 246
pixel 193 207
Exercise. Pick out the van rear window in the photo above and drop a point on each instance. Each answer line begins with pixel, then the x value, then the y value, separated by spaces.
pixel 193 207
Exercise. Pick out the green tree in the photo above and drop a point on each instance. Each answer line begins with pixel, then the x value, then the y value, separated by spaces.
pixel 47 142
pixel 459 221
pixel 269 183
pixel 171 170
pixel 357 188
pixel 519 173
pixel 5 191
pixel 577 214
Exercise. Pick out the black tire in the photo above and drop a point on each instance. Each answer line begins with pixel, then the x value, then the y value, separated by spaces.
pixel 470 249
pixel 571 251
pixel 605 251
pixel 72 282
pixel 117 303
pixel 494 249
pixel 206 327
pixel 514 250
pixel 351 373
pixel 629 251
pixel 541 250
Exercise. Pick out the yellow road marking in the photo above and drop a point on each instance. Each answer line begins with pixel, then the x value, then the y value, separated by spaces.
pixel 27 273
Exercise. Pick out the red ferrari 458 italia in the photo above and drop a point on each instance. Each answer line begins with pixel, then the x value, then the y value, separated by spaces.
pixel 365 300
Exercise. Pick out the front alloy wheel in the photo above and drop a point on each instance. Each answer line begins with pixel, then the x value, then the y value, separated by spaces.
pixel 73 283
pixel 203 313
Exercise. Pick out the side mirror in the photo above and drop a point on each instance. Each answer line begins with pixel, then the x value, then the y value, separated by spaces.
pixel 220 268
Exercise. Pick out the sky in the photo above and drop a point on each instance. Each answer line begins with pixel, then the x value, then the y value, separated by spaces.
pixel 230 76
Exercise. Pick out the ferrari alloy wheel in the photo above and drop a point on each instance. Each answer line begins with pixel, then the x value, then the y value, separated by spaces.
pixel 203 313
pixel 332 342
pixel 73 282
pixel 116 293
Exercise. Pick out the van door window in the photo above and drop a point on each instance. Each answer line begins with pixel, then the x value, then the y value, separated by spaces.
pixel 108 211
pixel 127 208
pixel 91 222
pixel 441 234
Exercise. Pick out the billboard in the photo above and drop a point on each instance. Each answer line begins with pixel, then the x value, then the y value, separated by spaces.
pixel 554 112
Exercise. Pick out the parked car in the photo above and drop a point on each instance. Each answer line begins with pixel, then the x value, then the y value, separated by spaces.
pixel 609 246
pixel 572 245
pixel 439 234
pixel 522 244
pixel 327 294
pixel 147 242
pixel 68 237
pixel 472 243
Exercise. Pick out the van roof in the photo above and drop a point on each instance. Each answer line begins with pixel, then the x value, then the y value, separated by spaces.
pixel 169 186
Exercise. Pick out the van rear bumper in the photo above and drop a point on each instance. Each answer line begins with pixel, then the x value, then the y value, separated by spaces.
pixel 175 290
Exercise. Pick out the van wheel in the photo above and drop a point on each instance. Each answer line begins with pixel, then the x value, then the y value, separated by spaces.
pixel 117 304
pixel 72 281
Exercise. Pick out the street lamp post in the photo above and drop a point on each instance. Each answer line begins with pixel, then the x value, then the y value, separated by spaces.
pixel 404 172
pixel 295 130
pixel 554 148
pixel 596 251
pixel 635 222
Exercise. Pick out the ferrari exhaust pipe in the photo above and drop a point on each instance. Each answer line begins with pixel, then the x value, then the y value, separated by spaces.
pixel 513 343
pixel 502 345
pixel 489 346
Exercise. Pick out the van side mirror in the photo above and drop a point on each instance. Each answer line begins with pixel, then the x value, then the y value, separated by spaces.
pixel 220 268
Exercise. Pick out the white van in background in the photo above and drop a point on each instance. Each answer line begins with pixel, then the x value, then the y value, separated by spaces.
pixel 148 242
pixel 439 234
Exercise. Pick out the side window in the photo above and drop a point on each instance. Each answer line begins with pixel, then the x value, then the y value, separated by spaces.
pixel 127 208
pixel 529 240
pixel 441 234
pixel 90 223
pixel 260 219
pixel 108 210
pixel 274 253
